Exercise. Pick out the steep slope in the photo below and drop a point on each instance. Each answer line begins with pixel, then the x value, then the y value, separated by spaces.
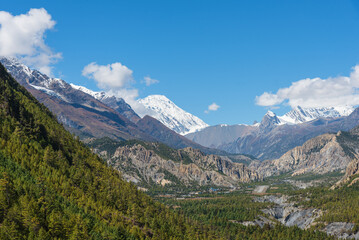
pixel 148 163
pixel 52 187
pixel 319 155
pixel 82 113
pixel 173 117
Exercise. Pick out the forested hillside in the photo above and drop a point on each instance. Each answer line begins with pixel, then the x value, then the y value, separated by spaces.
pixel 52 186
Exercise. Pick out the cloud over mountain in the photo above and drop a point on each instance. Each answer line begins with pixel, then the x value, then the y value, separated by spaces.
pixel 117 80
pixel 109 76
pixel 23 36
pixel 316 92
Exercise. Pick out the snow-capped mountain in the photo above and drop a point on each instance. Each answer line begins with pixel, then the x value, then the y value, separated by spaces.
pixel 173 117
pixel 301 115
pixel 113 102
pixel 34 78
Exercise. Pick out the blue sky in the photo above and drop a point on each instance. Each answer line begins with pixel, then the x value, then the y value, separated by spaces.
pixel 204 52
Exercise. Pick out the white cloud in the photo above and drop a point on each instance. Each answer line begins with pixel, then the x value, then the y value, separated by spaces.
pixel 128 94
pixel 149 81
pixel 316 92
pixel 212 107
pixel 111 76
pixel 116 80
pixel 22 36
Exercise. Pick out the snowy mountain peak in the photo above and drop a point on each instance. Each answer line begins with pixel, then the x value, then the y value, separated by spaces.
pixel 301 115
pixel 13 63
pixel 270 114
pixel 32 77
pixel 269 121
pixel 173 117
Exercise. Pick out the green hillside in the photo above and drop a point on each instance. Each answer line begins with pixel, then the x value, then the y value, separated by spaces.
pixel 52 186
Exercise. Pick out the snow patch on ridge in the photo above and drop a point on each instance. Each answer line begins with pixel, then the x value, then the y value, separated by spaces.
pixel 97 95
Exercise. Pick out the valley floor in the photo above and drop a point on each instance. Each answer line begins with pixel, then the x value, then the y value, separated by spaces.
pixel 299 206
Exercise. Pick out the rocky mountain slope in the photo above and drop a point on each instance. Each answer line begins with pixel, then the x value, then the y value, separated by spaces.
pixel 319 155
pixel 322 154
pixel 168 113
pixel 147 163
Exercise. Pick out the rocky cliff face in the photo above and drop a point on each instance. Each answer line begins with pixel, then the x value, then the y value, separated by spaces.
pixel 319 155
pixel 323 154
pixel 187 166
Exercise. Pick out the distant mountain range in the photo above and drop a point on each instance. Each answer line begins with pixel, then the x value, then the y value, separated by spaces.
pixel 275 135
pixel 301 115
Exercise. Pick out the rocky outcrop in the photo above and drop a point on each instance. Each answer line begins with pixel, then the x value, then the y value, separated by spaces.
pixel 186 166
pixel 288 214
pixel 341 230
pixel 323 154
pixel 319 155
